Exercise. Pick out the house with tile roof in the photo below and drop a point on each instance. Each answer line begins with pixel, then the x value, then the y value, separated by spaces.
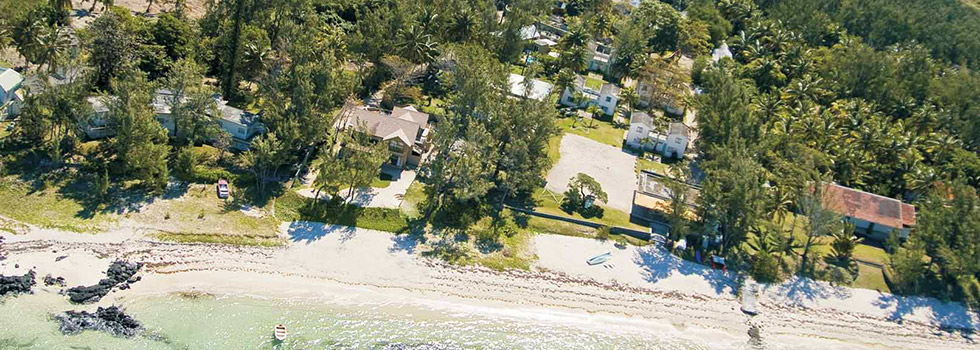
pixel 405 129
pixel 873 216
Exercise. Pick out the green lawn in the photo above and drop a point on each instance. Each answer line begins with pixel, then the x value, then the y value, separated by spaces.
pixel 413 199
pixel 648 164
pixel 293 207
pixel 610 217
pixel 596 129
pixel 870 277
pixel 594 82
pixel 200 211
pixel 59 205
pixel 382 181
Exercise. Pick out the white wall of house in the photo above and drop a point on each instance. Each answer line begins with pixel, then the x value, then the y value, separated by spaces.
pixel 636 134
pixel 676 146
pixel 878 231
pixel 608 103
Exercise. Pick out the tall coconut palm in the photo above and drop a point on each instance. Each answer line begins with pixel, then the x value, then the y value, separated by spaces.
pixel 54 42
pixel 416 45
pixel 629 96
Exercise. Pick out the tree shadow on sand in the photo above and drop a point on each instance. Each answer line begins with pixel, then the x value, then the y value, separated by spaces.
pixel 657 264
pixel 948 315
pixel 309 232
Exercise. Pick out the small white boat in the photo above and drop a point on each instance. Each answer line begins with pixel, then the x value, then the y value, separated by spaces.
pixel 280 332
pixel 599 259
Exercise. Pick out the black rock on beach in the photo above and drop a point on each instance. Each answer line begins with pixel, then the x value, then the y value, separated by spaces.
pixel 16 284
pixel 111 320
pixel 119 272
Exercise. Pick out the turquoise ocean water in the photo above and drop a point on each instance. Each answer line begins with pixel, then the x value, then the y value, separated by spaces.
pixel 208 322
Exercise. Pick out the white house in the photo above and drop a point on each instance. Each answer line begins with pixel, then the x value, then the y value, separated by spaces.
pixel 537 90
pixel 241 125
pixel 643 136
pixel 10 94
pixel 601 56
pixel 606 98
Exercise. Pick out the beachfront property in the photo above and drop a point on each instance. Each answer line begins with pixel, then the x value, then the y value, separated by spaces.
pixel 241 125
pixel 652 198
pixel 11 96
pixel 405 129
pixel 537 89
pixel 643 135
pixel 606 97
pixel 873 216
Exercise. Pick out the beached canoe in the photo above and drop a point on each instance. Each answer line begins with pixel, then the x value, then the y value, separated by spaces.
pixel 599 259
pixel 280 332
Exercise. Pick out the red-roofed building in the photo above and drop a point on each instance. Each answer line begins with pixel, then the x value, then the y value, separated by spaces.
pixel 873 215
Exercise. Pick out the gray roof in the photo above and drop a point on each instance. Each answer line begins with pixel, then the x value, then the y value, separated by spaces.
pixel 609 89
pixel 98 105
pixel 402 124
pixel 721 52
pixel 161 105
pixel 539 89
pixel 679 128
pixel 10 80
pixel 642 118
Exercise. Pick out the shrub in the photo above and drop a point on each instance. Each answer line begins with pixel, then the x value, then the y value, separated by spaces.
pixel 186 164
pixel 765 268
pixel 211 175
pixel 602 233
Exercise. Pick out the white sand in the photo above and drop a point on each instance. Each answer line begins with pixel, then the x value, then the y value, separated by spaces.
pixel 645 289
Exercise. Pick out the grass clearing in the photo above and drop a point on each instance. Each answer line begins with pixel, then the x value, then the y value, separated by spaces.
pixel 643 163
pixel 200 211
pixel 413 199
pixel 382 181
pixel 546 203
pixel 870 277
pixel 597 129
pixel 293 207
pixel 260 241
pixel 56 205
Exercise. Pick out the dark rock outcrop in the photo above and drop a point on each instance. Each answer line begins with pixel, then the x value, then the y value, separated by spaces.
pixel 17 284
pixel 54 281
pixel 111 320
pixel 119 272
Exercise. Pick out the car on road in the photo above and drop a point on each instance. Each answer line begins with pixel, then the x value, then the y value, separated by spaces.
pixel 222 189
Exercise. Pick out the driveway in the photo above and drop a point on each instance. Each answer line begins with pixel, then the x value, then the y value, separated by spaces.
pixel 614 169
pixel 388 197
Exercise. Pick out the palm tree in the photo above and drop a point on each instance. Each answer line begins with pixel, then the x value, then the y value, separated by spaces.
pixel 463 25
pixel 416 45
pixel 593 110
pixel 629 96
pixel 105 4
pixel 53 45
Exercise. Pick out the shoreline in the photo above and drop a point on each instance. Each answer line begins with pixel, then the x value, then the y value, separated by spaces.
pixel 352 266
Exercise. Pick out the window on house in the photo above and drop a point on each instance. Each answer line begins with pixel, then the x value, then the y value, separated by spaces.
pixel 395 147
pixel 241 131
pixel 608 99
pixel 677 141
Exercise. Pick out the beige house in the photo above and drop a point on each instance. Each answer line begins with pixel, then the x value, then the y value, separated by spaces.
pixel 405 129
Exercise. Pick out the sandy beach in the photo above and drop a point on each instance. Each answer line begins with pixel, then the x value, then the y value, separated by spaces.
pixel 641 287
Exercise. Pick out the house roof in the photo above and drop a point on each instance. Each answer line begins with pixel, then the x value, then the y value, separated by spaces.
pixel 639 117
pixel 652 185
pixel 609 89
pixel 539 89
pixel 386 126
pixel 10 80
pixel 868 206
pixel 529 32
pixel 411 114
pixel 679 128
pixel 98 105
pixel 545 42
